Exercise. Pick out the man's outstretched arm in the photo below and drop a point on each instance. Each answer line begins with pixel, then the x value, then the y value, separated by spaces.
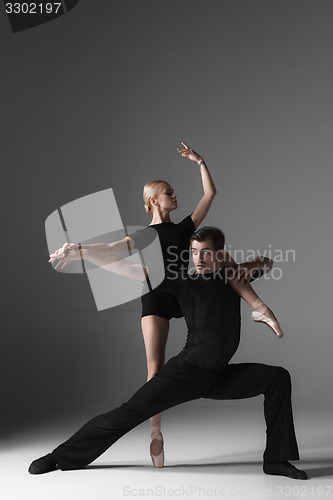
pixel 253 269
pixel 245 272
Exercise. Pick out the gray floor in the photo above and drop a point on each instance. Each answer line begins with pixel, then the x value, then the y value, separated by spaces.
pixel 213 450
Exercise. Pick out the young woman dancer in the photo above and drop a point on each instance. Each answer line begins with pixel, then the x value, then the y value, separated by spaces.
pixel 159 307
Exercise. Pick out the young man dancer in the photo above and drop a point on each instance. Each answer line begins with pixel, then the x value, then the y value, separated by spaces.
pixel 201 370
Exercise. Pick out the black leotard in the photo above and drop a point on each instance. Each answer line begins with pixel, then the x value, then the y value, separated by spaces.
pixel 174 240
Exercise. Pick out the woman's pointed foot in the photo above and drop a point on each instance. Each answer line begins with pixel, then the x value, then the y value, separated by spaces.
pixel 269 319
pixel 42 465
pixel 156 449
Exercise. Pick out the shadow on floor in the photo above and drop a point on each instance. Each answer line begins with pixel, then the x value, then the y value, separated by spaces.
pixel 229 467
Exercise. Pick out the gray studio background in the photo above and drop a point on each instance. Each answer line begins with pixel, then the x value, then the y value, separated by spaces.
pixel 102 98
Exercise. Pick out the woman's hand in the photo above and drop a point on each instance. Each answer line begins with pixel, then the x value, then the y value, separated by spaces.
pixel 189 153
pixel 65 254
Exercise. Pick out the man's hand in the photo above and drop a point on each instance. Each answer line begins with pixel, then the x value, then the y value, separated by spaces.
pixel 245 272
pixel 242 273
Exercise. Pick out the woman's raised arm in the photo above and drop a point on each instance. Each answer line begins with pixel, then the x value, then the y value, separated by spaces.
pixel 208 185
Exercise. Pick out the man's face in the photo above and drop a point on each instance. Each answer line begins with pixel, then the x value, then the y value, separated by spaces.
pixel 204 257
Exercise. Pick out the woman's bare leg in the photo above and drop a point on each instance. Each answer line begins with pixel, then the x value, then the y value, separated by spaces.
pixel 261 313
pixel 155 334
pixel 245 291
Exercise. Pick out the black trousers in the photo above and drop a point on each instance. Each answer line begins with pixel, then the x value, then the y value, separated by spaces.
pixel 180 381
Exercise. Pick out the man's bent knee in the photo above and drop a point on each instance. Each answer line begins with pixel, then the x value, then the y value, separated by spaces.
pixel 281 375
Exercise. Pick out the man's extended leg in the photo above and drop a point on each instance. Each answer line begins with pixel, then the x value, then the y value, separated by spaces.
pixel 176 383
pixel 246 380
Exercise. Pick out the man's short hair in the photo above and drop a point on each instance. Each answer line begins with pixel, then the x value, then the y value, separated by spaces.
pixel 214 234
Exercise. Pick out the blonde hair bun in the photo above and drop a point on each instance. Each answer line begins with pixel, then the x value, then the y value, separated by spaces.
pixel 152 188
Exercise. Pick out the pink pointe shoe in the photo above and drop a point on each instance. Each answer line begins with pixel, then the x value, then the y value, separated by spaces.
pixel 158 460
pixel 269 319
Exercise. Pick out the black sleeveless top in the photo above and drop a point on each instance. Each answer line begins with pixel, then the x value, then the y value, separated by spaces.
pixel 212 312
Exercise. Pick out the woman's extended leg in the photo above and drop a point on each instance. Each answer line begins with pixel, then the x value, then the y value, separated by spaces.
pixel 261 313
pixel 155 331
